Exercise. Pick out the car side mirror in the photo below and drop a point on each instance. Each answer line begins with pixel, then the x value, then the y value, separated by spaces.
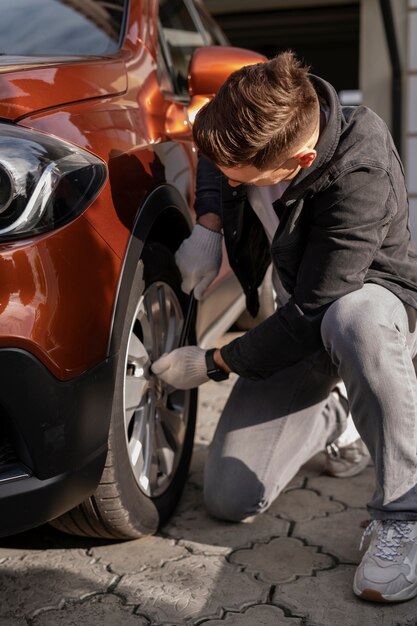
pixel 212 65
pixel 209 67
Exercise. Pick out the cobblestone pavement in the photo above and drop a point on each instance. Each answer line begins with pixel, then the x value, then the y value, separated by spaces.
pixel 292 566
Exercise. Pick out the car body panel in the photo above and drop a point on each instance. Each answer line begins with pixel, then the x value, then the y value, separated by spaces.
pixel 42 284
pixel 128 132
pixel 59 430
pixel 63 293
pixel 42 85
pixel 129 139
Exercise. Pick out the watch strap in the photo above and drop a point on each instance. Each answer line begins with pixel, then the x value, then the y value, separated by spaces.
pixel 213 370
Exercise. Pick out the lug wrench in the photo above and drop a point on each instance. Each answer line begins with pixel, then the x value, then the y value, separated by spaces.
pixel 189 316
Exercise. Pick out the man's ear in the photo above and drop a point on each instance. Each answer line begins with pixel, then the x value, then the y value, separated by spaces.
pixel 306 157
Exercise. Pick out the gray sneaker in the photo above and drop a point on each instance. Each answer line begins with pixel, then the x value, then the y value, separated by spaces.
pixel 388 570
pixel 348 460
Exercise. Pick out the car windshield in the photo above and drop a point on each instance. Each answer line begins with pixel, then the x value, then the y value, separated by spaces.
pixel 61 27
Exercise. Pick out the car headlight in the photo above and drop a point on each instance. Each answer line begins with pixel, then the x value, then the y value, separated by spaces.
pixel 45 182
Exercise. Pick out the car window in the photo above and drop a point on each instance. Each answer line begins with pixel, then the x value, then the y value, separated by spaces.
pixel 165 73
pixel 61 27
pixel 213 32
pixel 181 38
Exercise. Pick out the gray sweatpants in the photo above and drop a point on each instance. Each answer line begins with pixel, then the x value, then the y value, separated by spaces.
pixel 269 428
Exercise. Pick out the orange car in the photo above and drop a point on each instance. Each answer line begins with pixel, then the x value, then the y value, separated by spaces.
pixel 97 174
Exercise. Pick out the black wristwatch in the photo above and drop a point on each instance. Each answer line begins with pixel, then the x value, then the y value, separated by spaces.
pixel 213 370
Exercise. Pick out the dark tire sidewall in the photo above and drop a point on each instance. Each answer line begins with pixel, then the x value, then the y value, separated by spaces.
pixel 145 514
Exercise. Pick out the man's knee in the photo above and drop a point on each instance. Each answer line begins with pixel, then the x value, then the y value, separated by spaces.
pixel 351 319
pixel 232 491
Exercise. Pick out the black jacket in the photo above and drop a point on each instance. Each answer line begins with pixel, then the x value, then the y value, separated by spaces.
pixel 343 222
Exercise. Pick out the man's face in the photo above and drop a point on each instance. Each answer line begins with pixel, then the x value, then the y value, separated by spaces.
pixel 250 175
pixel 283 170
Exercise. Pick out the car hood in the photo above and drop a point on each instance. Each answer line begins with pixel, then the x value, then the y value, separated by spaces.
pixel 29 84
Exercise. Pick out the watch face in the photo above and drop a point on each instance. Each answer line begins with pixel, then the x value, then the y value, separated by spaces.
pixel 218 375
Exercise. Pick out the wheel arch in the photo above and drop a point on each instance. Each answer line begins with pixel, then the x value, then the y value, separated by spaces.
pixel 165 218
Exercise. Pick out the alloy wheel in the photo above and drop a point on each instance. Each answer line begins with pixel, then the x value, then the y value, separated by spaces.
pixel 155 414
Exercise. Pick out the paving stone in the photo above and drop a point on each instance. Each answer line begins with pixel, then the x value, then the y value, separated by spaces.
pixel 205 432
pixel 43 538
pixel 296 483
pixel 198 459
pixel 50 578
pixel 281 560
pixel 262 615
pixel 16 546
pixel 44 579
pixel 205 534
pixel 300 505
pixel 198 586
pixel 327 599
pixel 198 462
pixel 314 466
pixel 212 398
pixel 103 610
pixel 191 498
pixel 9 553
pixel 339 534
pixel 355 491
pixel 135 556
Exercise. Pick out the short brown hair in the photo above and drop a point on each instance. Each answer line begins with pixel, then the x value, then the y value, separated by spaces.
pixel 260 114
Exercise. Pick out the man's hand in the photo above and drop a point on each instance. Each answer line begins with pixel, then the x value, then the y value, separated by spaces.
pixel 183 368
pixel 199 258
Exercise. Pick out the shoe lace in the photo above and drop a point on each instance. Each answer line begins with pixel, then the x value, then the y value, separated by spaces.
pixel 389 544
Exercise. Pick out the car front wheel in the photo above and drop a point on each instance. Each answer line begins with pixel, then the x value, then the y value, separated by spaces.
pixel 152 425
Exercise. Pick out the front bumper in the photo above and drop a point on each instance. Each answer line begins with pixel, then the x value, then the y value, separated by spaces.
pixel 56 435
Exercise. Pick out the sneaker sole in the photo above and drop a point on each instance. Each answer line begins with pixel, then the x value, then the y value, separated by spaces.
pixel 372 595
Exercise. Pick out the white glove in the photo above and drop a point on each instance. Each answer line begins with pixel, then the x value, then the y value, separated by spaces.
pixel 183 368
pixel 199 258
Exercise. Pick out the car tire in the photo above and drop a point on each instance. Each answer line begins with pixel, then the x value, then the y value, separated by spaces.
pixel 152 425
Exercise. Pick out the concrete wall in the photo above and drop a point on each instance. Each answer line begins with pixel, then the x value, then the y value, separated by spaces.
pixel 374 64
pixel 375 79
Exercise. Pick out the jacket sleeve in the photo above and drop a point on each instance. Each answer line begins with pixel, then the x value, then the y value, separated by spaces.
pixel 208 188
pixel 350 223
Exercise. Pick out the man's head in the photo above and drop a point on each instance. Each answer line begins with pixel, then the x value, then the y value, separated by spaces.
pixel 263 124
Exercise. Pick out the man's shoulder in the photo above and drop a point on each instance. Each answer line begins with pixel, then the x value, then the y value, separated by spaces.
pixel 362 120
pixel 364 141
